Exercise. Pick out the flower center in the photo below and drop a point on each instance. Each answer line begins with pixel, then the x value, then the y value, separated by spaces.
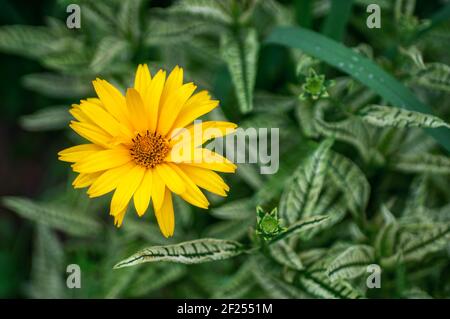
pixel 149 149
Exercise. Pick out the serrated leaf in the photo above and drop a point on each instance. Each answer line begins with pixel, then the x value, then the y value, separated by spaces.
pixel 431 240
pixel 301 194
pixel 237 285
pixel 300 226
pixel 351 263
pixel 238 209
pixel 163 31
pixel 359 68
pixel 271 103
pixel 230 229
pixel 274 286
pixel 285 255
pixel 213 11
pixel 434 76
pixel 318 284
pixel 240 52
pixel 154 279
pixel 383 116
pixel 351 130
pixel 29 41
pixel 107 50
pixel 128 17
pixel 51 118
pixel 388 240
pixel 55 85
pixel 47 266
pixel 55 216
pixel 351 180
pixel 421 163
pixel 190 252
pixel 334 205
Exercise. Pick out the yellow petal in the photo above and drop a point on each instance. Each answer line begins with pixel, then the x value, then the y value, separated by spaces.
pixel 138 114
pixel 143 193
pixel 152 97
pixel 118 217
pixel 108 180
pixel 113 100
pixel 79 115
pixel 192 194
pixel 77 153
pixel 206 179
pixel 197 134
pixel 103 160
pixel 142 78
pixel 174 81
pixel 202 157
pixel 165 216
pixel 100 117
pixel 84 180
pixel 172 106
pixel 158 190
pixel 198 105
pixel 170 178
pixel 92 133
pixel 126 188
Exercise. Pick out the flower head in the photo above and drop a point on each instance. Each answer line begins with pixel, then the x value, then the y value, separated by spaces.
pixel 144 147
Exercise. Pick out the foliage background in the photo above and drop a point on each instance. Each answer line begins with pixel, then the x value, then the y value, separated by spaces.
pixel 46 70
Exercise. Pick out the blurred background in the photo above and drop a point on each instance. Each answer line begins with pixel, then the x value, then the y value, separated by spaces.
pixel 46 67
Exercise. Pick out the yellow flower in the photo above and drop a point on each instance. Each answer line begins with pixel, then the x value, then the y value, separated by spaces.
pixel 132 141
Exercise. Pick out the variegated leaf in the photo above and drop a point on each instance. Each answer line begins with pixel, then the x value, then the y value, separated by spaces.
pixel 59 217
pixel 190 252
pixel 428 241
pixel 351 263
pixel 317 284
pixel 421 163
pixel 351 180
pixel 301 194
pixel 240 52
pixel 383 116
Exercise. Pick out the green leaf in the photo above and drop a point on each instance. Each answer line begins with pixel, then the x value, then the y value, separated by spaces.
pixel 238 209
pixel 300 226
pixel 285 255
pixel 29 41
pixel 383 116
pixel 302 192
pixel 47 266
pixel 359 68
pixel 388 240
pixel 56 216
pixel 274 286
pixel 163 31
pixel 154 278
pixel 230 229
pixel 421 163
pixel 190 252
pixel 351 180
pixel 428 241
pixel 334 205
pixel 351 263
pixel 107 50
pixel 240 52
pixel 237 285
pixel 55 85
pixel 351 130
pixel 213 11
pixel 318 284
pixel 128 17
pixel 51 118
pixel 434 76
pixel 337 19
